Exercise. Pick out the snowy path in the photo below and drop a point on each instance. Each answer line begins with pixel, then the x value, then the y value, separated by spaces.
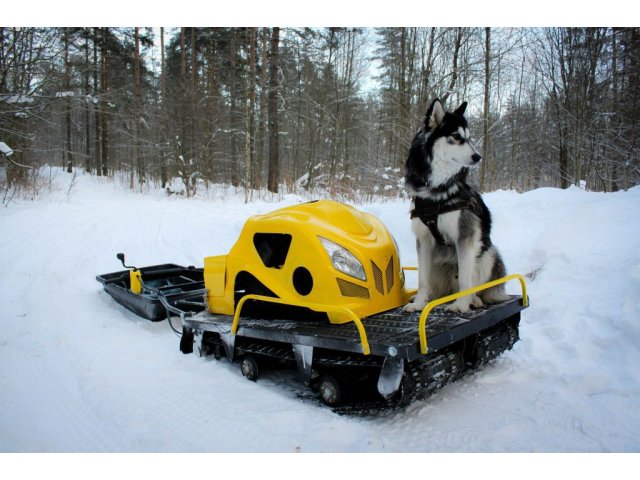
pixel 78 373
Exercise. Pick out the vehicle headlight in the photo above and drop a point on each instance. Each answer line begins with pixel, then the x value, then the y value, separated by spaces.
pixel 343 260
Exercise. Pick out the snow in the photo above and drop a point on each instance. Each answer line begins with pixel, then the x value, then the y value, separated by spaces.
pixel 5 149
pixel 79 373
pixel 17 99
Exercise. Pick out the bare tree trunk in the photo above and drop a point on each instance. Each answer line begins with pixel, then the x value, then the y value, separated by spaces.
pixel 316 137
pixel 183 63
pixel 274 167
pixel 194 151
pixel 249 121
pixel 402 95
pixel 298 126
pixel 348 86
pixel 96 106
pixel 183 121
pixel 4 70
pixel 253 68
pixel 485 116
pixel 247 146
pixel 337 115
pixel 212 110
pixel 408 43
pixel 563 155
pixel 87 106
pixel 67 102
pixel 427 67
pixel 233 114
pixel 614 66
pixel 535 166
pixel 138 109
pixel 454 64
pixel 261 141
pixel 163 114
pixel 104 106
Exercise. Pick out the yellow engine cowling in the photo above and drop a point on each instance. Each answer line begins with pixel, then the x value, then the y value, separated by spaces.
pixel 316 254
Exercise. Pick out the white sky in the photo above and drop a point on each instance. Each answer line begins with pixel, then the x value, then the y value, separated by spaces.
pixel 492 13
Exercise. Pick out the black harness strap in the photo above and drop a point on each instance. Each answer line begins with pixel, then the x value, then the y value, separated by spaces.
pixel 428 211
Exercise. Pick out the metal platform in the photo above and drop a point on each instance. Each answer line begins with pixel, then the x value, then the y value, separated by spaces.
pixel 390 334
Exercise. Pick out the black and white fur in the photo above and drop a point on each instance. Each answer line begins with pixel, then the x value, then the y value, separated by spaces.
pixel 436 170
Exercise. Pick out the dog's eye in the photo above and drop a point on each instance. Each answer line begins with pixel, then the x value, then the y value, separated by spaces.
pixel 457 137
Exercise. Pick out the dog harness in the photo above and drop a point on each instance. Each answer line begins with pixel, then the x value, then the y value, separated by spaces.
pixel 428 211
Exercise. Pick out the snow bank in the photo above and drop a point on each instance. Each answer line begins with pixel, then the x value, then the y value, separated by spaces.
pixel 81 374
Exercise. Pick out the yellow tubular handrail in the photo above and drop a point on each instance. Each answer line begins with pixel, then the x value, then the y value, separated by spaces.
pixel 412 291
pixel 422 330
pixel 313 306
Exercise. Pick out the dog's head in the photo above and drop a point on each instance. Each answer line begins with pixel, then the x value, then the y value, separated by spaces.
pixel 441 151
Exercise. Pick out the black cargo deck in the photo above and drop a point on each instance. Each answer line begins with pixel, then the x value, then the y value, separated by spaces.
pixel 393 333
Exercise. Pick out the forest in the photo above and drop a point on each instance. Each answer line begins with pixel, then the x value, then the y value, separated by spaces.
pixel 325 110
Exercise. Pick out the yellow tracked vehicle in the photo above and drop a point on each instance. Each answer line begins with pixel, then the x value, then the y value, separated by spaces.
pixel 319 286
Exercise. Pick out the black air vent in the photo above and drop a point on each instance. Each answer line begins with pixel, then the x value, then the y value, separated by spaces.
pixel 348 289
pixel 377 277
pixel 272 248
pixel 389 275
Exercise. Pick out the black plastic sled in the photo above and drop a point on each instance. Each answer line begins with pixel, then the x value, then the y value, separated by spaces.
pixel 157 280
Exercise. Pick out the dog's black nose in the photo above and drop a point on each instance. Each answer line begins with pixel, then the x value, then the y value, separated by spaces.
pixel 476 158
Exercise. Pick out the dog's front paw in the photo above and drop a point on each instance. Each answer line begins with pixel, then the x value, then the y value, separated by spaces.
pixel 464 304
pixel 476 302
pixel 459 306
pixel 418 302
pixel 415 306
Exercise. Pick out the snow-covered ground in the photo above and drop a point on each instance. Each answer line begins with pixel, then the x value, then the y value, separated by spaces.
pixel 79 373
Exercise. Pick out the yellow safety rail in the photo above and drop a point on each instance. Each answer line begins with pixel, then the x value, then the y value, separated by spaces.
pixel 313 306
pixel 413 291
pixel 422 330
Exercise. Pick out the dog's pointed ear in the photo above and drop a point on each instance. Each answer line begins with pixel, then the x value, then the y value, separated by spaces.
pixel 460 110
pixel 434 116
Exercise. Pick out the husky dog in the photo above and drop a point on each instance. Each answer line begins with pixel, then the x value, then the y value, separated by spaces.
pixel 449 219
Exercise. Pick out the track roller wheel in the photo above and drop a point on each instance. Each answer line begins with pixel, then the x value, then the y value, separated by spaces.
pixel 330 390
pixel 249 367
pixel 406 392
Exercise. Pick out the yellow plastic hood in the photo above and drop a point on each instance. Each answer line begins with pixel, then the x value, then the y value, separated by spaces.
pixel 321 253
